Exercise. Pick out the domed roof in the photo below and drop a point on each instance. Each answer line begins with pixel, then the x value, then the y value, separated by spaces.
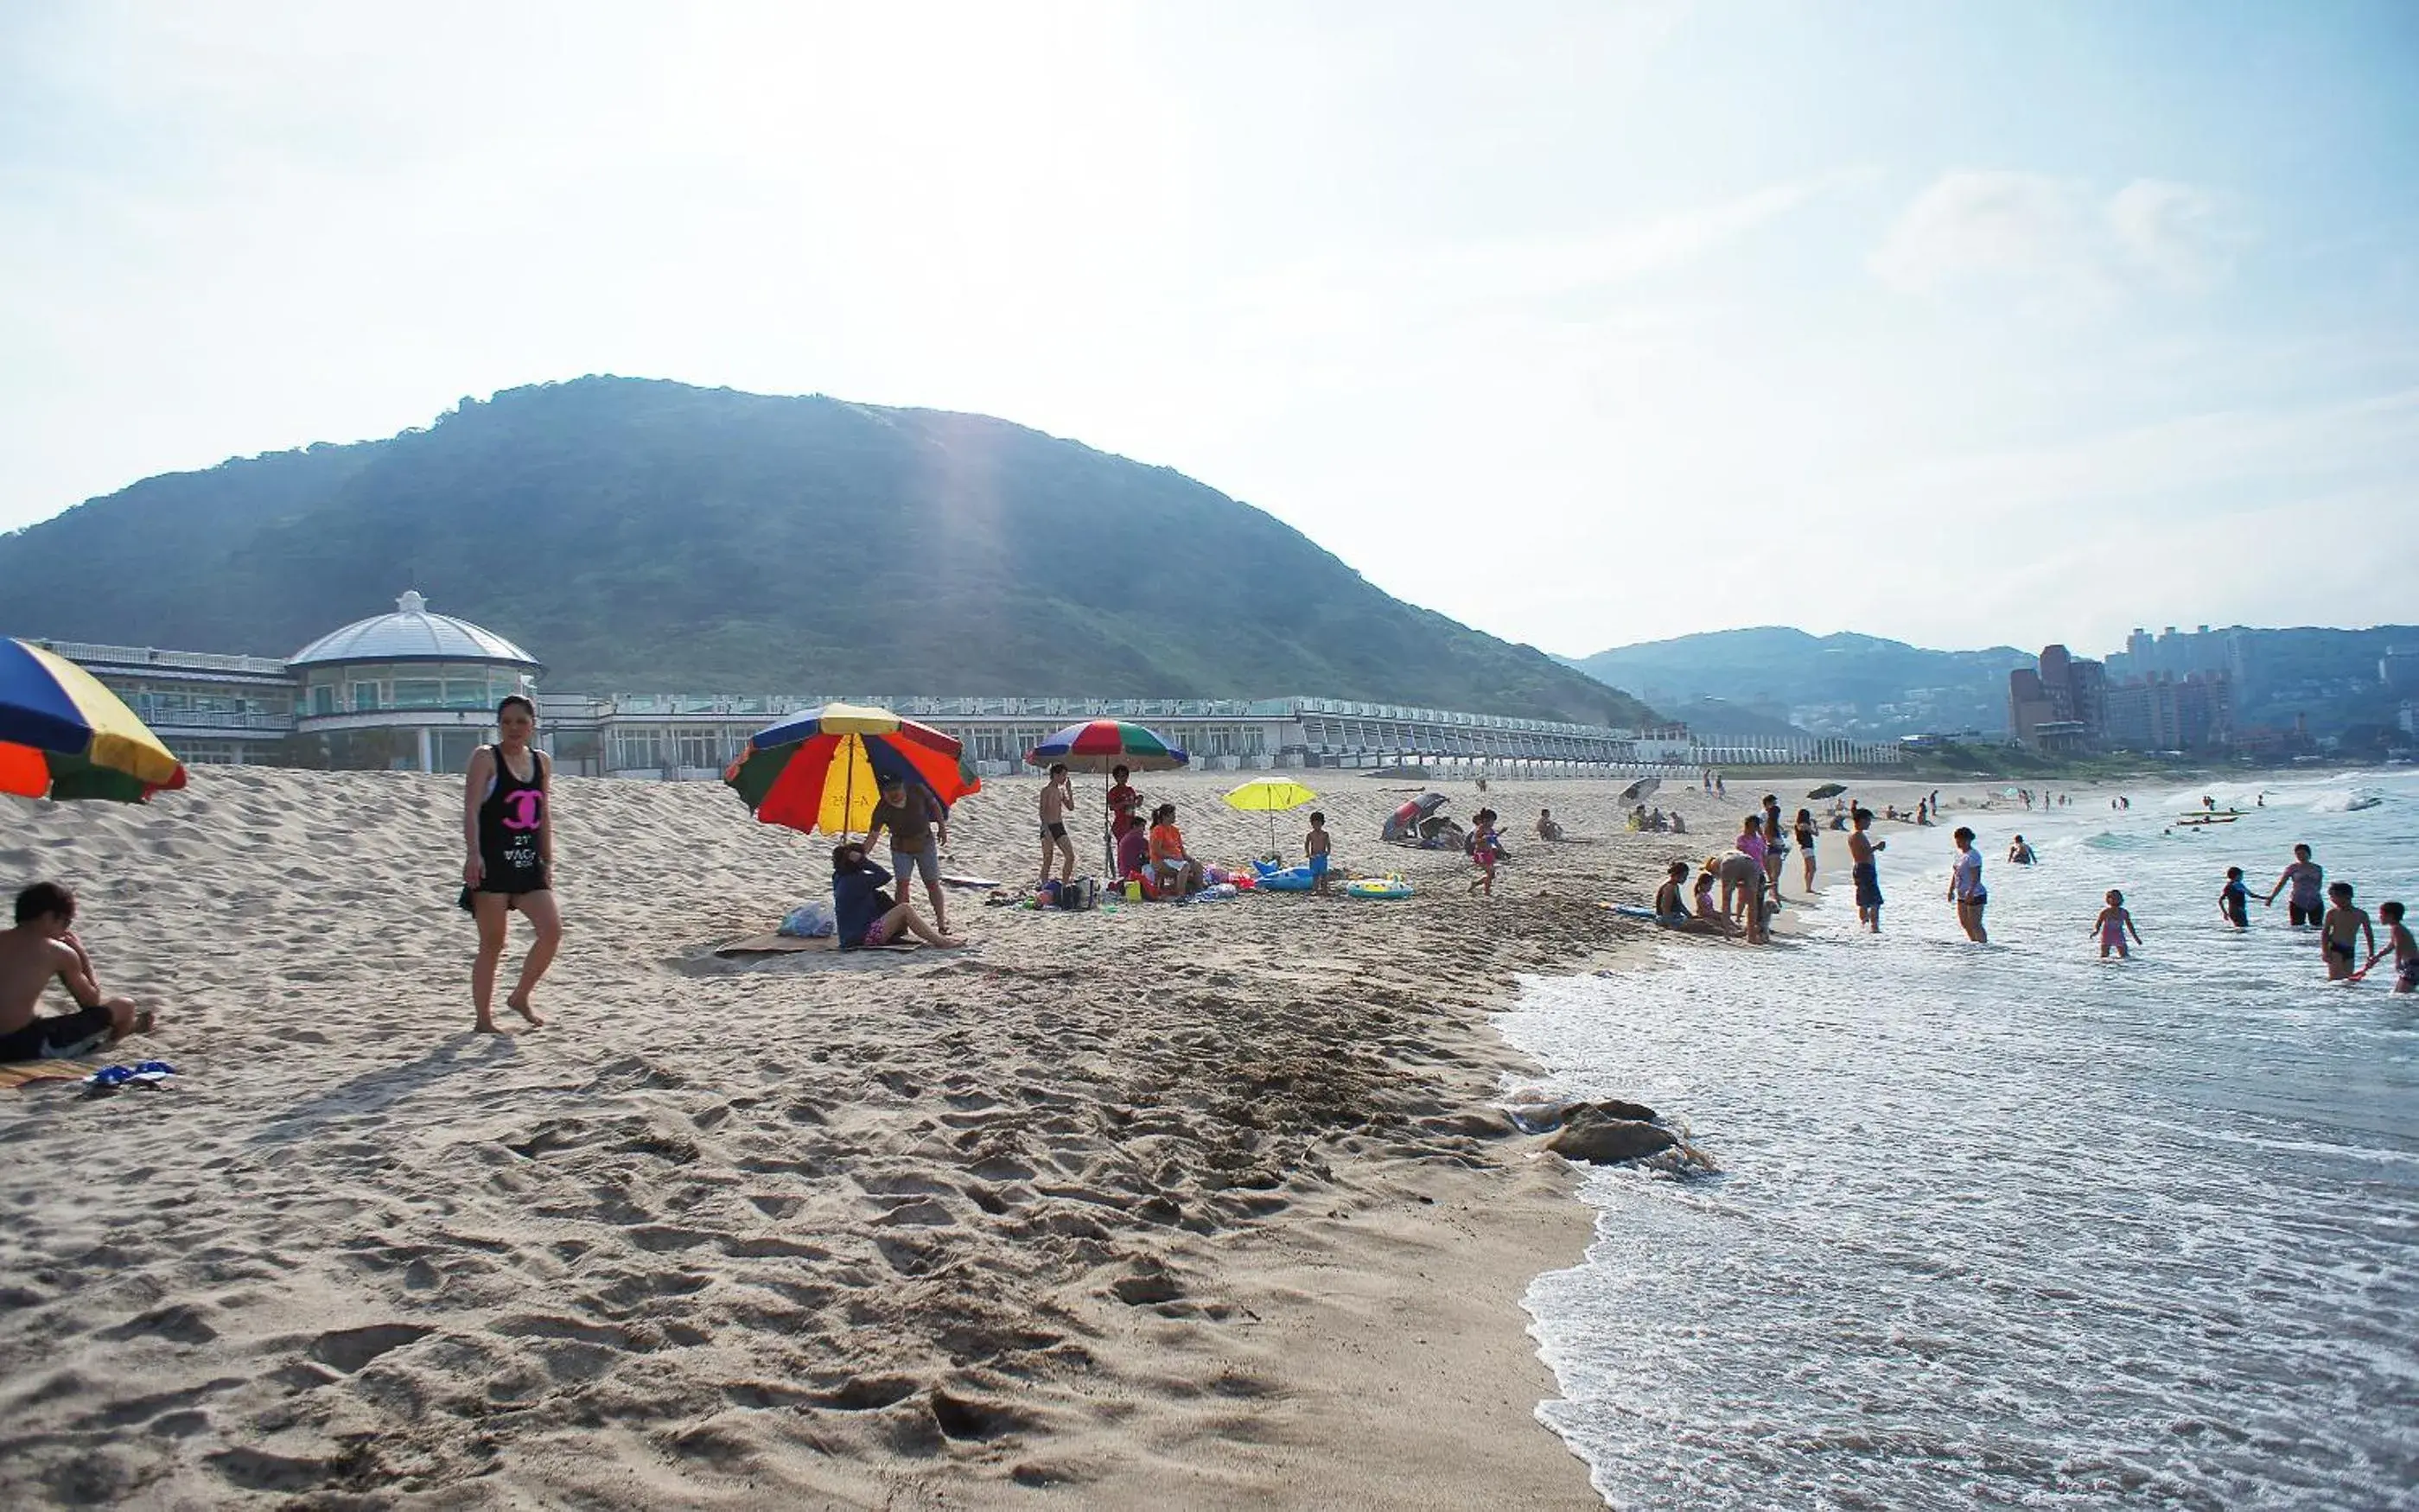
pixel 411 634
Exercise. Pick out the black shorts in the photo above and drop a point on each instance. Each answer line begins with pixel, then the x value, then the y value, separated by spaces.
pixel 47 1039
pixel 1869 884
pixel 1055 830
pixel 2313 915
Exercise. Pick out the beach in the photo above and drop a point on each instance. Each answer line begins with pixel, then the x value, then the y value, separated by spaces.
pixel 1202 1206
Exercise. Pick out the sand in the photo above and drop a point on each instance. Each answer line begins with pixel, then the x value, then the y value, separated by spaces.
pixel 1161 1207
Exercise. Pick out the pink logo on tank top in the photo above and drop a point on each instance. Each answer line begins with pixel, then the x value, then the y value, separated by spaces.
pixel 524 810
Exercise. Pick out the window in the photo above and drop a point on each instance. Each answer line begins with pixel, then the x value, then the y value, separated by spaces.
pixel 364 695
pixel 462 694
pixel 323 699
pixel 419 693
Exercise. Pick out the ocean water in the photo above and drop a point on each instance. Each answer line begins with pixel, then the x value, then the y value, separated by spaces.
pixel 2003 1225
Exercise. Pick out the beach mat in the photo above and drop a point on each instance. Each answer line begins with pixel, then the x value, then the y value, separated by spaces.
pixel 17 1073
pixel 977 884
pixel 793 944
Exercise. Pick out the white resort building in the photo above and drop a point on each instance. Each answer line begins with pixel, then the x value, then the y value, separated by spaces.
pixel 416 691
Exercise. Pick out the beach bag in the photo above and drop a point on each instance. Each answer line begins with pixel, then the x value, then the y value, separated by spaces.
pixel 1080 895
pixel 810 921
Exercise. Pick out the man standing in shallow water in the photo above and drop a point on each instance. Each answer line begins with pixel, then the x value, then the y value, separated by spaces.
pixel 1865 869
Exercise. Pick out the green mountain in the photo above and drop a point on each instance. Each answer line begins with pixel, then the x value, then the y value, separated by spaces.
pixel 639 535
pixel 1844 684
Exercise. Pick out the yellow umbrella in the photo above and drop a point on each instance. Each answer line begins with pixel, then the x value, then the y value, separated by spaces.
pixel 1267 795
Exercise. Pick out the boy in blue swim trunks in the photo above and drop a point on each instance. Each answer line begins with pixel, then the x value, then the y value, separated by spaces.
pixel 1314 846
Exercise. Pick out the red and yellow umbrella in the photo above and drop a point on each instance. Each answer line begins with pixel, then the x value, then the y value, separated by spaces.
pixel 64 736
pixel 823 770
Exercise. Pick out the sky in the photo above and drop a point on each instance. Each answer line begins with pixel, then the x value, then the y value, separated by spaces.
pixel 1587 324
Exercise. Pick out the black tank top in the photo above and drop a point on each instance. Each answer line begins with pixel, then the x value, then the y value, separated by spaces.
pixel 511 826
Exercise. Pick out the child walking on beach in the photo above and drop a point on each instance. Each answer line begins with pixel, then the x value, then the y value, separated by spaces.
pixel 1314 846
pixel 2111 925
pixel 1481 851
pixel 2234 899
pixel 2342 924
pixel 2398 940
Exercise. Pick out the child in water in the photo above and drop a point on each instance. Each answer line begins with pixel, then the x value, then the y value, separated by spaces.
pixel 2405 949
pixel 2339 928
pixel 2234 899
pixel 2112 924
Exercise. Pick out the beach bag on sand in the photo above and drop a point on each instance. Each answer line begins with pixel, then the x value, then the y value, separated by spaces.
pixel 1080 895
pixel 810 921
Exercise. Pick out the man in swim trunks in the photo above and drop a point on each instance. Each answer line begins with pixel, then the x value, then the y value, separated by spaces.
pixel 2342 925
pixel 1057 799
pixel 1865 870
pixel 911 814
pixel 2307 878
pixel 1315 846
pixel 42 945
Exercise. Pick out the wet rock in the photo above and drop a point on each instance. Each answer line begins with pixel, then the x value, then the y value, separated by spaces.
pixel 1590 1137
pixel 1544 1117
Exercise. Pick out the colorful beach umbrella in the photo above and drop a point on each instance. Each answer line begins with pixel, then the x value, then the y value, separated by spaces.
pixel 822 770
pixel 1099 744
pixel 1102 746
pixel 64 736
pixel 1270 796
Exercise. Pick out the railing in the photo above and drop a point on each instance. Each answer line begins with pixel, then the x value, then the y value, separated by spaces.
pixel 191 720
pixel 86 651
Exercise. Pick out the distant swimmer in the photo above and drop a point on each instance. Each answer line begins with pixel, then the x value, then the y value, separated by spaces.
pixel 2308 879
pixel 2343 924
pixel 2020 854
pixel 1864 870
pixel 2112 924
pixel 2398 940
pixel 2234 899
pixel 1965 887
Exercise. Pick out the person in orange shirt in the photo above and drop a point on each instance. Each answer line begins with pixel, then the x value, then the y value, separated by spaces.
pixel 1175 875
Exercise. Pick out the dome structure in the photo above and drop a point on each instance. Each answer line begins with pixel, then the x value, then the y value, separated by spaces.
pixel 411 634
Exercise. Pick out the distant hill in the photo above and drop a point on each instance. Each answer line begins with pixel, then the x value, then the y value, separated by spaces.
pixel 1842 684
pixel 1719 716
pixel 639 535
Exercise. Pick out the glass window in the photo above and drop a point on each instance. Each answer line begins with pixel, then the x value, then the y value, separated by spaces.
pixel 364 695
pixel 323 699
pixel 462 695
pixel 419 693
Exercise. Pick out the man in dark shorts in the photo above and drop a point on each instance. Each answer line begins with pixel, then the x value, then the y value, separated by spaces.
pixel 40 946
pixel 1865 869
pixel 911 814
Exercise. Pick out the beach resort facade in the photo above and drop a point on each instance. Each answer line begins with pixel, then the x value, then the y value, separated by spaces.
pixel 415 690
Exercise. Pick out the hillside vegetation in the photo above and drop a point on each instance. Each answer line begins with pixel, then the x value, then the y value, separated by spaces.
pixel 639 535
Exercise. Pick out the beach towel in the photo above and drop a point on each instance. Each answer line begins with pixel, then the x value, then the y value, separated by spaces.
pixel 976 883
pixel 17 1073
pixel 793 945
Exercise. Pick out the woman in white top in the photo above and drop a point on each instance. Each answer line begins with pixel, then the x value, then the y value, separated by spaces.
pixel 1965 887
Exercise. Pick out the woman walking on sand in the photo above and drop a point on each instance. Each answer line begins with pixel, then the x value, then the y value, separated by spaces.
pixel 508 837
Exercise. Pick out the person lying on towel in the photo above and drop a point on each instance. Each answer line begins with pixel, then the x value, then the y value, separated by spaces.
pixel 40 946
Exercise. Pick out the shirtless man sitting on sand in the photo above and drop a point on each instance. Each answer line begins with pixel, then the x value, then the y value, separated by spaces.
pixel 43 945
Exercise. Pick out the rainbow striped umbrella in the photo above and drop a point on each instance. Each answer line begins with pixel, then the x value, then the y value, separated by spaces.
pixel 823 770
pixel 1098 744
pixel 64 736
pixel 1101 745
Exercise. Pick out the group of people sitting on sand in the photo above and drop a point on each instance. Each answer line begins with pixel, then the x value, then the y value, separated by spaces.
pixel 1645 821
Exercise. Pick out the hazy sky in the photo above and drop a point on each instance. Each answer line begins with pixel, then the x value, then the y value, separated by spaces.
pixel 1586 324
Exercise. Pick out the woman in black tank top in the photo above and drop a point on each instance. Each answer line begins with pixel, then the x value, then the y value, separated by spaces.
pixel 509 836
